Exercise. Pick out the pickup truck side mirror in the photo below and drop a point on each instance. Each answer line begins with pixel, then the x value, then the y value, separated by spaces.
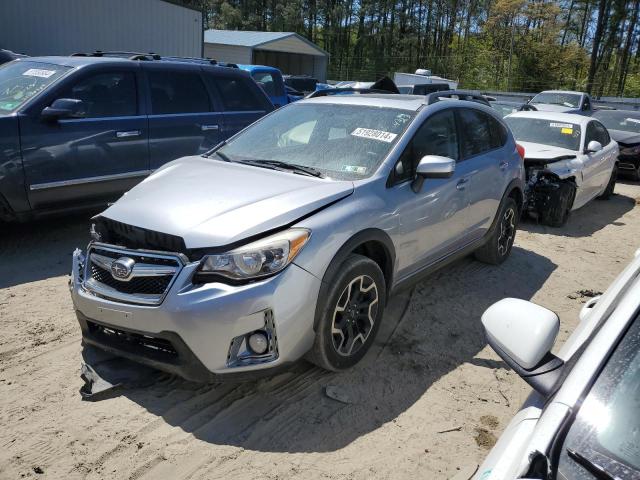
pixel 64 108
pixel 594 146
pixel 432 166
pixel 523 333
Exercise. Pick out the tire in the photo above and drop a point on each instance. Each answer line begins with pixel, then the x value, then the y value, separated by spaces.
pixel 344 331
pixel 557 212
pixel 635 175
pixel 611 185
pixel 499 245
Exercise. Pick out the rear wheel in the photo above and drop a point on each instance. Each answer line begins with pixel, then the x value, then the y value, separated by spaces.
pixel 350 315
pixel 499 245
pixel 611 185
pixel 559 206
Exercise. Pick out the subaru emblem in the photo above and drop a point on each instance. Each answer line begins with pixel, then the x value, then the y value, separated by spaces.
pixel 122 268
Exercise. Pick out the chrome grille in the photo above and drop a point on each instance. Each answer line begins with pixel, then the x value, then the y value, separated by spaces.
pixel 147 282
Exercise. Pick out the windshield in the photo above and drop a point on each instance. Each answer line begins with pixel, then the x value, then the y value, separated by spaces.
pixel 606 430
pixel 346 142
pixel 571 100
pixel 619 120
pixel 547 132
pixel 21 81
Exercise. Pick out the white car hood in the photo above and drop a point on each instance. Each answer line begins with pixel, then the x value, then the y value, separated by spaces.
pixel 546 107
pixel 211 203
pixel 545 152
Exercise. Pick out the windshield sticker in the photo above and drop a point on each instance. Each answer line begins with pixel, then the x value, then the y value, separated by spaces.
pixel 561 125
pixel 566 131
pixel 38 72
pixel 374 134
pixel 354 169
pixel 632 120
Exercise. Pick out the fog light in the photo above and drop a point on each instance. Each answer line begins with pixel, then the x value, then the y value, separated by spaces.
pixel 258 342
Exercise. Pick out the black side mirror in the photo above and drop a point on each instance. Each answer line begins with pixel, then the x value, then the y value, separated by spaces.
pixel 64 108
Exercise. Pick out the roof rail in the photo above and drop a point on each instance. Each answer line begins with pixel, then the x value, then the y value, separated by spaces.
pixel 335 91
pixel 468 95
pixel 154 56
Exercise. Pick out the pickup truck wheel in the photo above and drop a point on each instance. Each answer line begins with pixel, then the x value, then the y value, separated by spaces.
pixel 611 185
pixel 350 315
pixel 499 245
pixel 559 206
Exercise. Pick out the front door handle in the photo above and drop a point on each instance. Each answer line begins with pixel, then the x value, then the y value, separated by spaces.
pixel 503 165
pixel 461 184
pixel 206 128
pixel 128 134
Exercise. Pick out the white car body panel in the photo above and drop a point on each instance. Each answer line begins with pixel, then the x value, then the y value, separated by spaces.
pixel 617 307
pixel 591 171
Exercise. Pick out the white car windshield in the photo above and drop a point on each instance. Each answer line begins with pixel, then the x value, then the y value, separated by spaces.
pixel 346 142
pixel 21 81
pixel 546 132
pixel 570 100
pixel 619 120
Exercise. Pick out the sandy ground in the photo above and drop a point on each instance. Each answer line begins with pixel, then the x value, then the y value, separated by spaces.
pixel 427 402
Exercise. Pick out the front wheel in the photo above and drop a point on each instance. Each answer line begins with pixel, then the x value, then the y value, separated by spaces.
pixel 350 314
pixel 499 245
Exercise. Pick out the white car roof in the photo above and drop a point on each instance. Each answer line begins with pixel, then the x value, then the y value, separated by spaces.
pixel 553 117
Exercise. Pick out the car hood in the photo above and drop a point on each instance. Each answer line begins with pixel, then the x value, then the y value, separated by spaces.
pixel 210 203
pixel 547 107
pixel 628 138
pixel 540 151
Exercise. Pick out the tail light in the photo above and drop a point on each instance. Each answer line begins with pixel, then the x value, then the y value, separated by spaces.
pixel 520 150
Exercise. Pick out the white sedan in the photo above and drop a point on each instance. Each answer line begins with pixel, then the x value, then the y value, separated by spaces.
pixel 582 421
pixel 569 160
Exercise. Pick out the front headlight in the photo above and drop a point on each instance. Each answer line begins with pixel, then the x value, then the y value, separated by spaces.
pixel 256 260
pixel 630 151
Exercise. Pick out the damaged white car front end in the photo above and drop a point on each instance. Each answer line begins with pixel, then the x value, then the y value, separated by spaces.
pixel 569 160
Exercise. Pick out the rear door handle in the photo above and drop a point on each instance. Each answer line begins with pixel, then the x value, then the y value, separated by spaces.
pixel 206 128
pixel 128 133
pixel 461 184
pixel 503 165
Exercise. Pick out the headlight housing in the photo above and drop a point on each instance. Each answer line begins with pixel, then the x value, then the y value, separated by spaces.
pixel 255 260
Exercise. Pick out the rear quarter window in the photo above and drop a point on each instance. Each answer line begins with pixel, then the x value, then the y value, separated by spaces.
pixel 238 94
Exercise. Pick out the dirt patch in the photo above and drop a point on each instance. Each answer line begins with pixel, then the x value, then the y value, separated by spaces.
pixel 484 438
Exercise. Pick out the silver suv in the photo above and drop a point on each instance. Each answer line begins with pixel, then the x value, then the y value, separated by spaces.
pixel 288 239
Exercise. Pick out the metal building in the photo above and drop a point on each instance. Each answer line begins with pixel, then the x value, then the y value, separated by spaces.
pixel 62 27
pixel 288 51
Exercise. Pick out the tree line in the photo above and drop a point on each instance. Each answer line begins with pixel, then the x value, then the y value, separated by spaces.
pixel 515 45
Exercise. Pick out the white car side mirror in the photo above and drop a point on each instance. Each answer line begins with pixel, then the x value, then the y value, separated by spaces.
pixel 594 147
pixel 523 333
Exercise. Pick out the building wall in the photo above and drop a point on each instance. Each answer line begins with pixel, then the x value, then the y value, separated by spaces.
pixel 227 53
pixel 293 63
pixel 62 27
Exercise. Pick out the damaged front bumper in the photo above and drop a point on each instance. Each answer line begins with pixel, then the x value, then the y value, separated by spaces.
pixel 543 183
pixel 194 332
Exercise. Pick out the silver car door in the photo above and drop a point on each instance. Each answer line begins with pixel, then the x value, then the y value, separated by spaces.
pixel 484 164
pixel 433 221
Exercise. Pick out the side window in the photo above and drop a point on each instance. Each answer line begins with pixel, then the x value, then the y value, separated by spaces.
pixel 177 92
pixel 498 132
pixel 106 94
pixel 586 105
pixel 601 133
pixel 436 136
pixel 477 136
pixel 266 81
pixel 236 94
